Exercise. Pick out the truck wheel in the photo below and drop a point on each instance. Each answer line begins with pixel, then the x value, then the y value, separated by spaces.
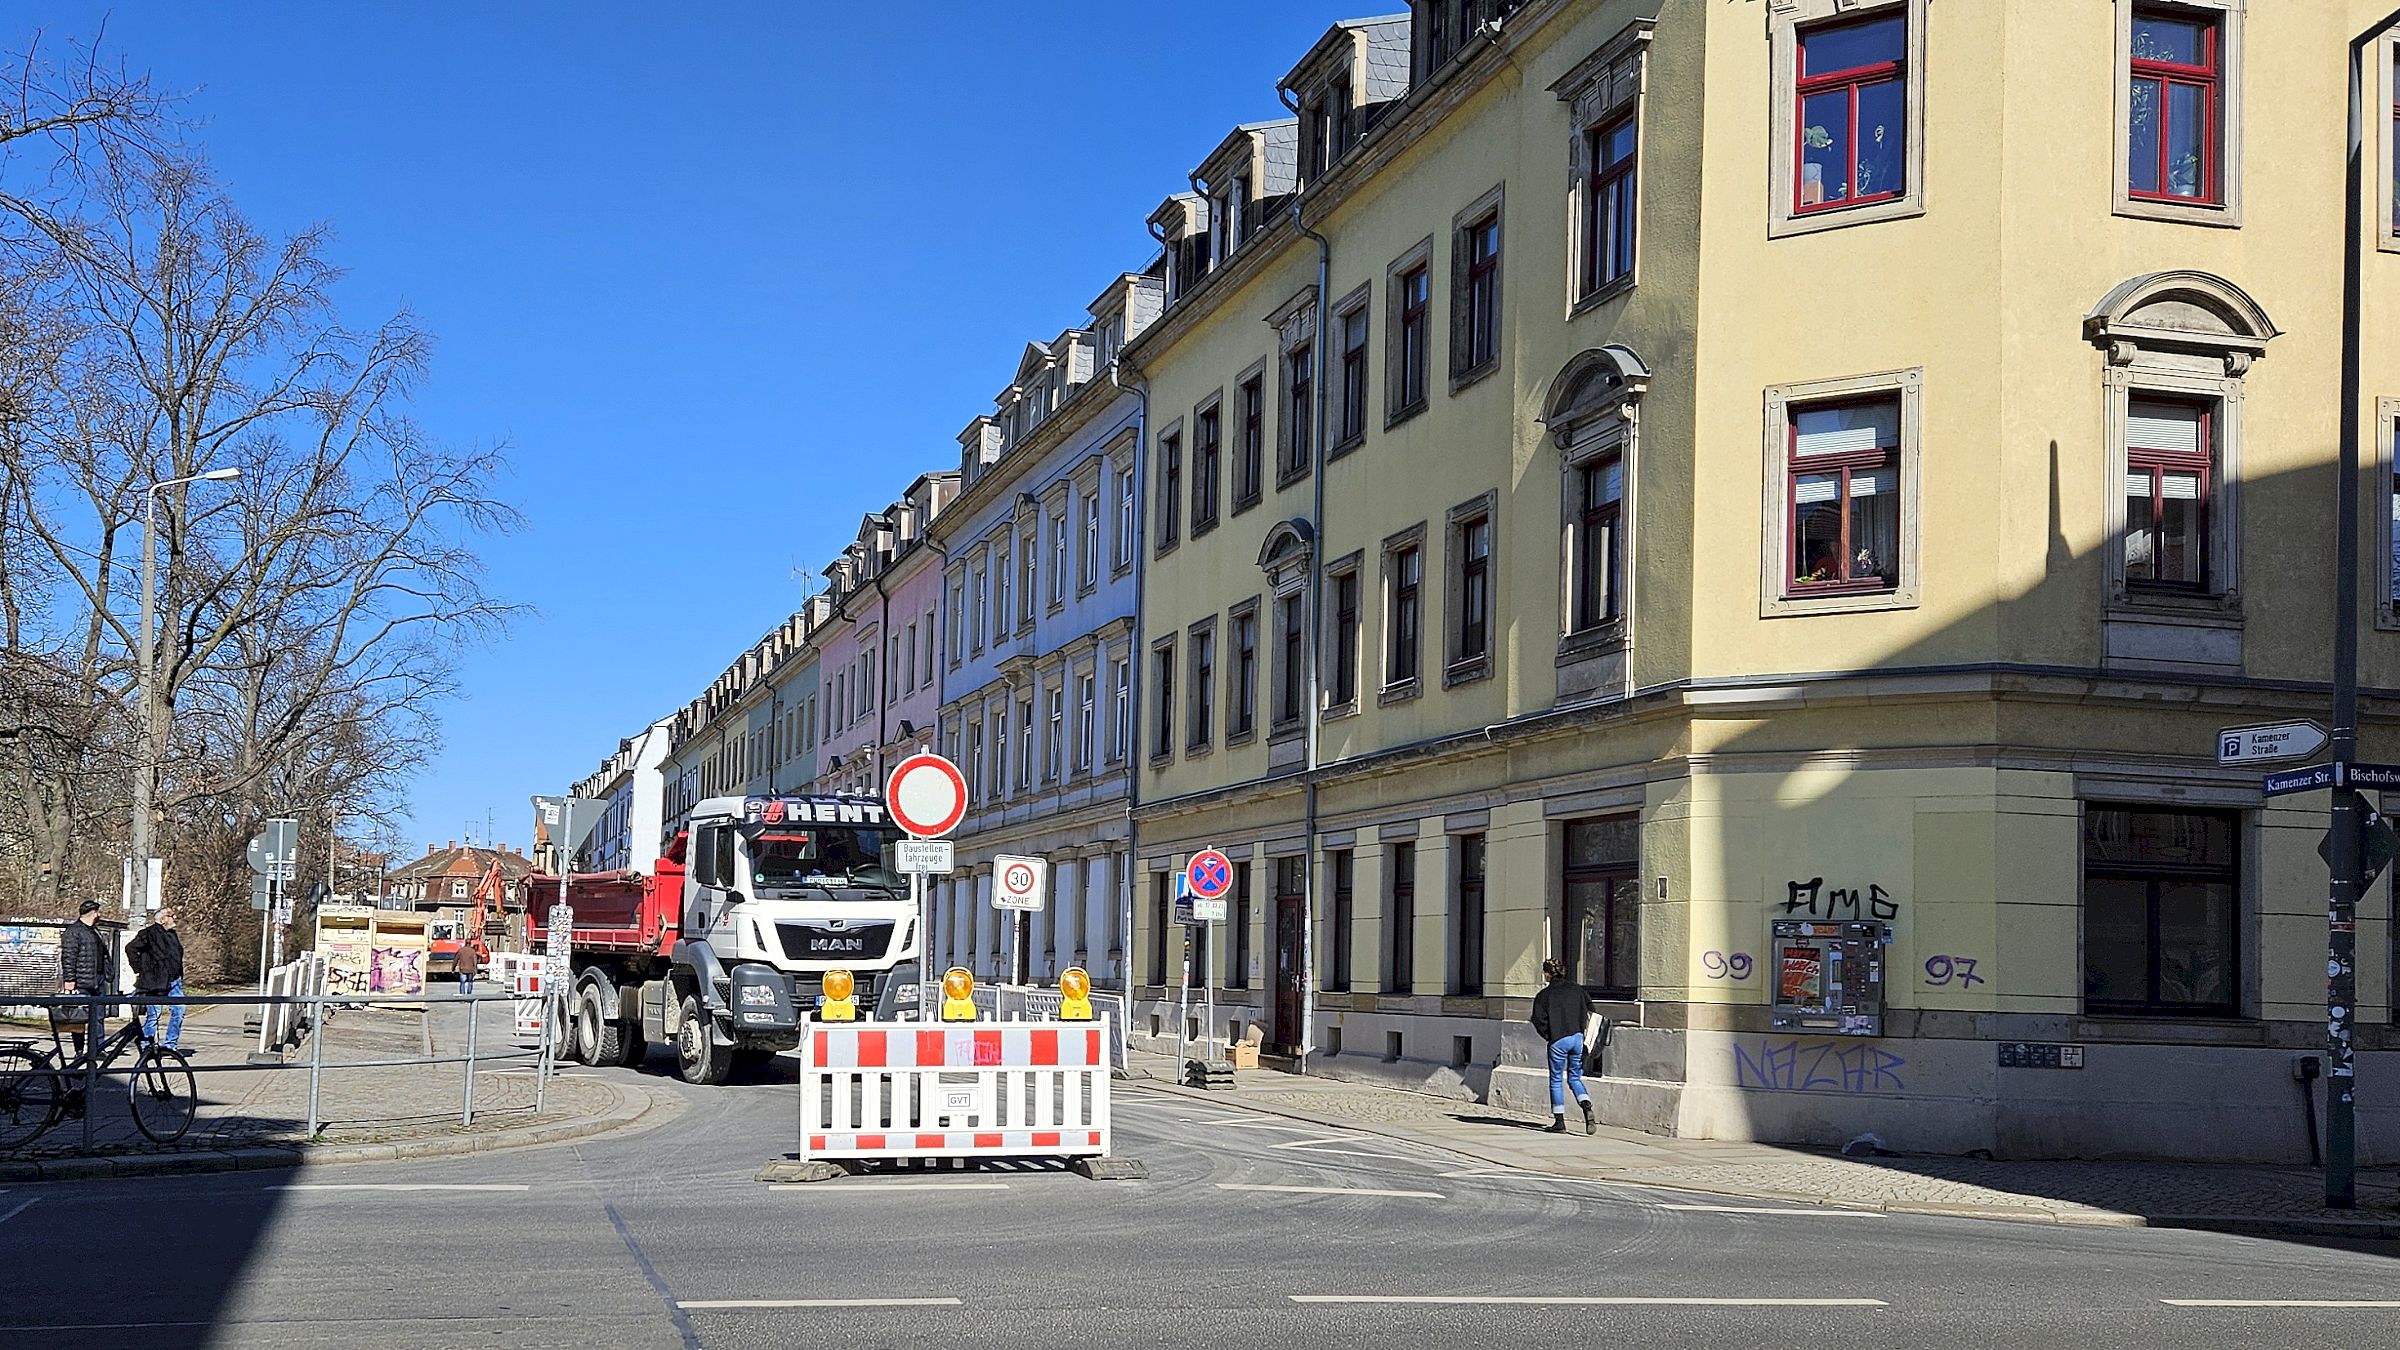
pixel 696 1052
pixel 636 1049
pixel 599 1040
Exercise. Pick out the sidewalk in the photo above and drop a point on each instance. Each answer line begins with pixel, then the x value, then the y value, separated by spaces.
pixel 2130 1194
pixel 259 1118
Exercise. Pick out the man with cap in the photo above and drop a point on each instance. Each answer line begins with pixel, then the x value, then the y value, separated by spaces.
pixel 82 968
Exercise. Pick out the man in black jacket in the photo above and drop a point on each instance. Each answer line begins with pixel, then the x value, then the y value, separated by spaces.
pixel 82 968
pixel 157 956
pixel 1559 1012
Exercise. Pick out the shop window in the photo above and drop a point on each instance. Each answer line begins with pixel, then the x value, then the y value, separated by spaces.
pixel 1601 905
pixel 2161 913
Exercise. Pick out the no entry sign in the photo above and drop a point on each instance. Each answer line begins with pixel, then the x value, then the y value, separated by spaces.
pixel 927 796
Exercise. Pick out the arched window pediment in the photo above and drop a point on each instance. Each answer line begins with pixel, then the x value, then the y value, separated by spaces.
pixel 1597 382
pixel 2180 311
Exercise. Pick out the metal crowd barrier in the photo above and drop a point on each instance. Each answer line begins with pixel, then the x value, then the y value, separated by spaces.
pixel 277 1010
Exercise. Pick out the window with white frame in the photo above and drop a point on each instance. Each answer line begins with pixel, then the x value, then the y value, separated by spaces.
pixel 1029 595
pixel 1120 718
pixel 1126 506
pixel 1846 113
pixel 1089 576
pixel 1086 723
pixel 1842 471
pixel 1003 617
pixel 1054 749
pixel 1058 559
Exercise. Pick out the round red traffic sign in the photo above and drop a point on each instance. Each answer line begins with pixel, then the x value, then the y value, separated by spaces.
pixel 1019 879
pixel 1209 874
pixel 927 796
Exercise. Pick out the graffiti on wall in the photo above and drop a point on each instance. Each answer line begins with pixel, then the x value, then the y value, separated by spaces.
pixel 1816 1066
pixel 1942 972
pixel 1813 898
pixel 397 970
pixel 1735 966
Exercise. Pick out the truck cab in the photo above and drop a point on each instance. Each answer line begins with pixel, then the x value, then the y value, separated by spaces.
pixel 778 891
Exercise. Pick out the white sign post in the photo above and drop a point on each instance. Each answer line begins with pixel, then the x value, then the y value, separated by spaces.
pixel 926 796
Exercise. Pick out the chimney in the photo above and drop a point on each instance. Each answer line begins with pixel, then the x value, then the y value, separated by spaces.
pixel 430 850
pixel 451 844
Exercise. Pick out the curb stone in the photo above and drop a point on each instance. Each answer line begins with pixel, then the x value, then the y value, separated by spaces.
pixel 2266 1225
pixel 639 1107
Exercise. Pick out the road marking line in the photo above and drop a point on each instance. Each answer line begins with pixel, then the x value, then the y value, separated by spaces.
pixel 4 1218
pixel 1764 1209
pixel 729 1304
pixel 400 1186
pixel 2281 1302
pixel 1329 1190
pixel 1593 1300
pixel 896 1186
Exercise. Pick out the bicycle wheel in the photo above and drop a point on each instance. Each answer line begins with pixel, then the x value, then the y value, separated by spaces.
pixel 30 1093
pixel 164 1095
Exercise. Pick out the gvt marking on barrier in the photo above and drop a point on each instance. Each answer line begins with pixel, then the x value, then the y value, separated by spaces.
pixel 1819 1066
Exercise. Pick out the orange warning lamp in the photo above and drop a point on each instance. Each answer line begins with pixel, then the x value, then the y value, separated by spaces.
pixel 958 994
pixel 840 1003
pixel 1074 995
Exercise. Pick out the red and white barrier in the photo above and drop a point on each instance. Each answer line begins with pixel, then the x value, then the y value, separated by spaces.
pixel 907 1090
pixel 522 972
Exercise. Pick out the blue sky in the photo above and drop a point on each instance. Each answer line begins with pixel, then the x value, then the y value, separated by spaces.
pixel 724 276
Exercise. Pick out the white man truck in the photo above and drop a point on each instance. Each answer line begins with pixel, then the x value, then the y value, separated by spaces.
pixel 720 949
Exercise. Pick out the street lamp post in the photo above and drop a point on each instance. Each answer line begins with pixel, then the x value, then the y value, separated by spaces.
pixel 145 718
pixel 2341 908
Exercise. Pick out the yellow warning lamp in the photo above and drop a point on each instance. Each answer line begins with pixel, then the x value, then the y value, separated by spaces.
pixel 840 1003
pixel 958 994
pixel 1074 995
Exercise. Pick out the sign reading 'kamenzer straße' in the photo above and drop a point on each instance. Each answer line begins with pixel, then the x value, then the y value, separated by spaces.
pixel 2264 744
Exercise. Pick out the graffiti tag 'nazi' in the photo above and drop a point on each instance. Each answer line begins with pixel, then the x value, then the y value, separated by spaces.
pixel 1874 903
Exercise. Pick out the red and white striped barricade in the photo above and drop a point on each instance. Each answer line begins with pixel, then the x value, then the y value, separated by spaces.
pixel 522 971
pixel 908 1090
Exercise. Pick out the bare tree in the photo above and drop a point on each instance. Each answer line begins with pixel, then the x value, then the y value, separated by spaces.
pixel 308 612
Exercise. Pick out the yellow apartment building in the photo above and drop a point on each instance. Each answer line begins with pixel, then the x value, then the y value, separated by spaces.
pixel 1772 502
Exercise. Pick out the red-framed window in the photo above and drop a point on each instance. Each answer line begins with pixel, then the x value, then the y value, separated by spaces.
pixel 1608 226
pixel 1205 455
pixel 1844 496
pixel 1853 114
pixel 1483 293
pixel 1599 542
pixel 2169 450
pixel 2173 111
pixel 1354 375
pixel 1247 472
pixel 1416 302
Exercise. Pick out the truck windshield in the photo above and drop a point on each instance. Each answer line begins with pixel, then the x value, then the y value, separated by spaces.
pixel 821 855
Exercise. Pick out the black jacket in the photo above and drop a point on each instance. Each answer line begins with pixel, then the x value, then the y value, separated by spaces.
pixel 1560 1009
pixel 157 956
pixel 83 958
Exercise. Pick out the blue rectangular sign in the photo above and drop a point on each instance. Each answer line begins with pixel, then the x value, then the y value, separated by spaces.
pixel 2374 775
pixel 2310 779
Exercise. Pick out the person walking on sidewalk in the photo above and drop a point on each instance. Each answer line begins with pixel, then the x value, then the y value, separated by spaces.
pixel 82 970
pixel 157 956
pixel 470 964
pixel 1559 1014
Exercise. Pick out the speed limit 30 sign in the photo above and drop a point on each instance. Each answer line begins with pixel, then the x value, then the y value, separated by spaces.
pixel 1019 882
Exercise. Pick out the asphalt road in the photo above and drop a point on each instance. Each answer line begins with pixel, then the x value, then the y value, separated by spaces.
pixel 1250 1231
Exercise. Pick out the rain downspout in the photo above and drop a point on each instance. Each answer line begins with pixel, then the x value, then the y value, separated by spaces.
pixel 1316 620
pixel 1140 389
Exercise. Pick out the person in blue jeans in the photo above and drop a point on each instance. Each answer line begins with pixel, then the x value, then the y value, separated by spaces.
pixel 157 957
pixel 1559 1014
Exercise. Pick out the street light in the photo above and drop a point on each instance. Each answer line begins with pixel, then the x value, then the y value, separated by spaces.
pixel 145 729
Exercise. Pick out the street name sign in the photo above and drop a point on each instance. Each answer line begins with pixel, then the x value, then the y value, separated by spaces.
pixel 926 796
pixel 1020 882
pixel 2268 743
pixel 925 855
pixel 2310 779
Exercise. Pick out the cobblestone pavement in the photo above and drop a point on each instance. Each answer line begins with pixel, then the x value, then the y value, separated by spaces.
pixel 2087 1192
pixel 418 1104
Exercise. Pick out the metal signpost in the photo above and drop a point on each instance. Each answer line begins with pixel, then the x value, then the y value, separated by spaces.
pixel 274 856
pixel 926 796
pixel 570 821
pixel 1020 885
pixel 1203 884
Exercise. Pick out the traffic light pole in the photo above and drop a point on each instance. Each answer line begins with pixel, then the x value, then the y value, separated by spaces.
pixel 2341 908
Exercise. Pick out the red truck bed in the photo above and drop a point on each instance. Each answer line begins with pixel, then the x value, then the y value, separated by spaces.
pixel 623 913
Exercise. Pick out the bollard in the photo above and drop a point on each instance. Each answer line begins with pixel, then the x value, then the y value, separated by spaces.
pixel 541 1051
pixel 316 1060
pixel 466 1115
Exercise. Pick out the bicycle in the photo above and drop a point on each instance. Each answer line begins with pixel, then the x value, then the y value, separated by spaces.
pixel 38 1089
